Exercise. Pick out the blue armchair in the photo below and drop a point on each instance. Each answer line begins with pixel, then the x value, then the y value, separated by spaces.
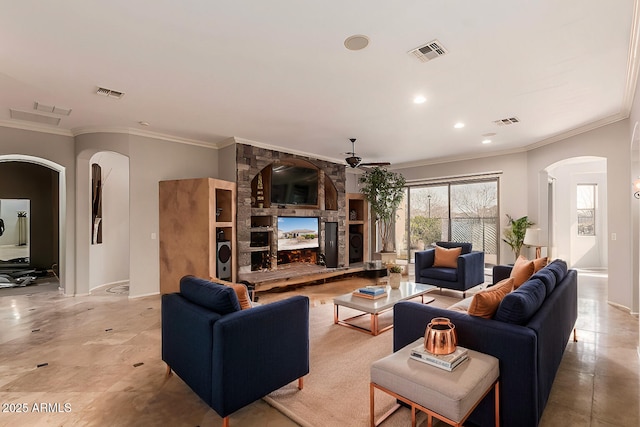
pixel 228 356
pixel 468 273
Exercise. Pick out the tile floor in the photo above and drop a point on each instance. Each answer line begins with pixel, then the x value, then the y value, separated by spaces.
pixel 95 361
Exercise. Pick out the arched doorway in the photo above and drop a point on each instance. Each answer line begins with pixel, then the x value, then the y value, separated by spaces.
pixel 58 260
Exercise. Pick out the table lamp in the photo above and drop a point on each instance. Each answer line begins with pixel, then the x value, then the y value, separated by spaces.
pixel 532 237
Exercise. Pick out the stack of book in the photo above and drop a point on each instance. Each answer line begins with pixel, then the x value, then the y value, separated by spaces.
pixel 448 362
pixel 371 292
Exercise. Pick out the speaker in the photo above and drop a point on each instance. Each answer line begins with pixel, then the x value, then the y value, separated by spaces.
pixel 355 247
pixel 223 255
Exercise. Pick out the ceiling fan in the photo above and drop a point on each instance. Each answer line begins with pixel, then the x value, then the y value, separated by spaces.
pixel 355 161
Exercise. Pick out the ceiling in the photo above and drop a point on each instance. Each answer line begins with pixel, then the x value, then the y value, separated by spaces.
pixel 278 74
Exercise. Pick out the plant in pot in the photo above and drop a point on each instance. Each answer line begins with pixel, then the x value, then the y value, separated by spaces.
pixel 385 191
pixel 514 233
pixel 395 275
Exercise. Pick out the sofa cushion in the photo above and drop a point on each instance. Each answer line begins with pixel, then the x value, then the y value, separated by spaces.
pixel 521 271
pixel 446 257
pixel 539 263
pixel 440 273
pixel 518 306
pixel 214 296
pixel 466 247
pixel 547 277
pixel 485 303
pixel 559 268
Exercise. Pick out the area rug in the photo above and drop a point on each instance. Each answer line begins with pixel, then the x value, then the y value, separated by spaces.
pixel 336 391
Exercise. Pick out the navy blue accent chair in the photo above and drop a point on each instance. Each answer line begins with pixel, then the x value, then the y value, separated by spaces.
pixel 468 273
pixel 233 357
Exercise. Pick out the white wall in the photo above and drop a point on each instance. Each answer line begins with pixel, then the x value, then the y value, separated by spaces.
pixel 109 260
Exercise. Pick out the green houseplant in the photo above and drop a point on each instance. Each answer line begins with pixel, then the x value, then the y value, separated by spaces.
pixel 514 233
pixel 385 191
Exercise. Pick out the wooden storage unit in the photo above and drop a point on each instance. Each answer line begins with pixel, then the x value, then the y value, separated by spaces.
pixel 194 215
pixel 263 244
pixel 357 229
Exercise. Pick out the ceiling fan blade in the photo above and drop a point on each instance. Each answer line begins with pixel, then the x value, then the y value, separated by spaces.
pixel 375 164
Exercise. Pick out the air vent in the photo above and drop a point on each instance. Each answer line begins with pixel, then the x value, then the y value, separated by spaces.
pixel 507 121
pixel 429 51
pixel 110 93
pixel 33 117
pixel 51 109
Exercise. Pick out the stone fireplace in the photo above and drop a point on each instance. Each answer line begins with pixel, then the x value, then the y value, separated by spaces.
pixel 257 246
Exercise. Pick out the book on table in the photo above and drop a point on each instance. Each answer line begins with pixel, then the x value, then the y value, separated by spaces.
pixel 369 296
pixel 372 290
pixel 444 361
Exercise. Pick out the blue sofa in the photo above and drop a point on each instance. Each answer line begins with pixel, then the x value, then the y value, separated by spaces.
pixel 469 272
pixel 528 334
pixel 228 356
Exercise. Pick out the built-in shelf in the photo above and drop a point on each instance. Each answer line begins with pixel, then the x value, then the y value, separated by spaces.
pixel 357 229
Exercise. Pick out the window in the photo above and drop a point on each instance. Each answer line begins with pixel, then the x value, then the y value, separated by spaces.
pixel 586 209
pixel 464 211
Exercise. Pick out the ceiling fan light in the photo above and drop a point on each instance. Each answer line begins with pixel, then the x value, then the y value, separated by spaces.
pixel 353 161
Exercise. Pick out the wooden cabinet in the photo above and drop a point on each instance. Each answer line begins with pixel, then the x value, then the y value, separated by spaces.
pixel 197 216
pixel 357 235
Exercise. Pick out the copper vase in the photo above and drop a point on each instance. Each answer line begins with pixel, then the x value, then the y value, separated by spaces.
pixel 440 336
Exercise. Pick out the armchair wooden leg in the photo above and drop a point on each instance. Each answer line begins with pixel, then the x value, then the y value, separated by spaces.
pixel 168 372
pixel 225 422
pixel 575 335
pixel 300 383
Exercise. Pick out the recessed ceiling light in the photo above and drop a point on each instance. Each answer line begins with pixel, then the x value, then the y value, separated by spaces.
pixel 459 125
pixel 419 99
pixel 356 42
pixel 486 141
pixel 143 123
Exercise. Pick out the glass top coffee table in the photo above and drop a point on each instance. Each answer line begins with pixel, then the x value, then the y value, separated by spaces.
pixel 374 307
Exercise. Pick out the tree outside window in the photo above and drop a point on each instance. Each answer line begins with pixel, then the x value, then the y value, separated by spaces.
pixel 586 209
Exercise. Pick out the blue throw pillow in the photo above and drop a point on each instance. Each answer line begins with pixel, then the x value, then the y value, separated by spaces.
pixel 559 268
pixel 547 277
pixel 219 298
pixel 518 306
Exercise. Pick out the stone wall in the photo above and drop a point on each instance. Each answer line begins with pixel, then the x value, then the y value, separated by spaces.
pixel 250 161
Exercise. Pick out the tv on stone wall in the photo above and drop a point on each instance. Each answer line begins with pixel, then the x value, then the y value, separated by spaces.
pixel 297 233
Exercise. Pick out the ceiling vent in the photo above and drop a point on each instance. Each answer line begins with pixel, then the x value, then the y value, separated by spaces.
pixel 34 117
pixel 507 121
pixel 429 51
pixel 110 93
pixel 51 109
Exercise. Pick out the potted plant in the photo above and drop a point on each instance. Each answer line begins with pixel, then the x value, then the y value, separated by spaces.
pixel 514 233
pixel 395 275
pixel 385 191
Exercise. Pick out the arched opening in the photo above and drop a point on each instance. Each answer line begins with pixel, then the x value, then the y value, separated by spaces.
pixel 574 211
pixel 48 239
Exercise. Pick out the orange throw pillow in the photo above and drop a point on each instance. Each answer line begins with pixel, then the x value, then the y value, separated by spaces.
pixel 539 263
pixel 522 270
pixel 485 303
pixel 446 257
pixel 241 292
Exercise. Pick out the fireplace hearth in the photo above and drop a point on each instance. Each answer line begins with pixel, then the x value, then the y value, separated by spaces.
pixel 307 256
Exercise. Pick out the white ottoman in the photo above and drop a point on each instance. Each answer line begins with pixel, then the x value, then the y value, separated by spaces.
pixel 448 396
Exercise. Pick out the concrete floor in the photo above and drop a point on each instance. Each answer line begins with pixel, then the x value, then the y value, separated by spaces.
pixel 95 361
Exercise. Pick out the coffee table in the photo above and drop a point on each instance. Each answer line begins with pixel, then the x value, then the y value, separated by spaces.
pixel 374 307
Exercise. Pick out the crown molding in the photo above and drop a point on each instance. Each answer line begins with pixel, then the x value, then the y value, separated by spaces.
pixel 35 128
pixel 143 133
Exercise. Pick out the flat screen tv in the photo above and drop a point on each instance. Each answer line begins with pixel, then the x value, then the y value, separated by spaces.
pixel 297 233
pixel 294 185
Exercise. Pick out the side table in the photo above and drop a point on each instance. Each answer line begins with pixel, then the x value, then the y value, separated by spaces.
pixel 447 396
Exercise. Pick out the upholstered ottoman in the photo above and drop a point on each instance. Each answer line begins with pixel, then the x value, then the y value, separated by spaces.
pixel 448 396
